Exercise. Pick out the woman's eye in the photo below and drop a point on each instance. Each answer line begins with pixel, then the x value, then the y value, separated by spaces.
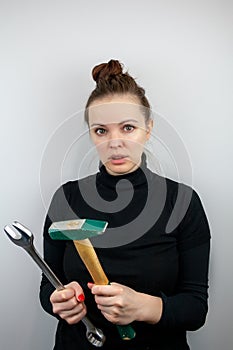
pixel 129 128
pixel 100 131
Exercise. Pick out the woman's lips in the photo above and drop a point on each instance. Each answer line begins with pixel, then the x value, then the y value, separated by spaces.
pixel 118 159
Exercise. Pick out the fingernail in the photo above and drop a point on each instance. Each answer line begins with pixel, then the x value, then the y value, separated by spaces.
pixel 81 297
pixel 90 284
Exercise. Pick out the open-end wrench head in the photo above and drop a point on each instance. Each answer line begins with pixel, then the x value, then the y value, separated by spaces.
pixel 19 234
pixel 22 229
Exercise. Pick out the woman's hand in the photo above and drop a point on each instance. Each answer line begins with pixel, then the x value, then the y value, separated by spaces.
pixel 68 303
pixel 122 305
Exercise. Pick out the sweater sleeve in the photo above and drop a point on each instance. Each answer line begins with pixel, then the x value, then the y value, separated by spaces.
pixel 187 309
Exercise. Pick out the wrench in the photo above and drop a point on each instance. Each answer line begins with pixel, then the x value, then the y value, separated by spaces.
pixel 23 237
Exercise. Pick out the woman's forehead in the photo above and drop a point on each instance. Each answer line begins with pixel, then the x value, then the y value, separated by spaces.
pixel 115 112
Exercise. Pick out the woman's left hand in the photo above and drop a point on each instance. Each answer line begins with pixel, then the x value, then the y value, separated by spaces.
pixel 122 305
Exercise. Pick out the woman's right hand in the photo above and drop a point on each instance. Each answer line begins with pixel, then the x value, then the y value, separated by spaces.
pixel 68 303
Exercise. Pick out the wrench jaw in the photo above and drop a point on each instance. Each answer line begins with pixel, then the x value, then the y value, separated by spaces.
pixel 16 237
pixel 27 236
pixel 19 235
pixel 95 335
pixel 97 338
pixel 22 229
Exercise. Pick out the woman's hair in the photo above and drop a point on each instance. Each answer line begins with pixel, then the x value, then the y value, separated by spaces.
pixel 111 80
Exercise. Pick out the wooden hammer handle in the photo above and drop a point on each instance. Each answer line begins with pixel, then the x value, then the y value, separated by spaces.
pixel 90 259
pixel 88 255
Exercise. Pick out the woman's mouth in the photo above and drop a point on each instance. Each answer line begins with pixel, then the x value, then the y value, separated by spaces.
pixel 118 159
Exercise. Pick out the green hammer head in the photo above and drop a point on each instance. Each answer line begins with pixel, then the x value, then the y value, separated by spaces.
pixel 77 229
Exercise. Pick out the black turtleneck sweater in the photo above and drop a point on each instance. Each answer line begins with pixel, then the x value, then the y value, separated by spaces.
pixel 157 242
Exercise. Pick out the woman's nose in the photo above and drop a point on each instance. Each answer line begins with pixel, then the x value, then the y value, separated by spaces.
pixel 115 143
pixel 115 140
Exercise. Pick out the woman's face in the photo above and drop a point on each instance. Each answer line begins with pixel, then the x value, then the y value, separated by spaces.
pixel 119 132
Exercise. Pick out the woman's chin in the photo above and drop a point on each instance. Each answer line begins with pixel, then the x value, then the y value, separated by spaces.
pixel 120 168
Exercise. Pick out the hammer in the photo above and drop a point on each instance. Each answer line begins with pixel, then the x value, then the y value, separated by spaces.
pixel 79 231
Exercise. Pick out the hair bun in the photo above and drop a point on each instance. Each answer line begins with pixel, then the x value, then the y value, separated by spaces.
pixel 106 70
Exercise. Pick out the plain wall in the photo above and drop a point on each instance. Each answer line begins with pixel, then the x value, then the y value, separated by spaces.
pixel 181 52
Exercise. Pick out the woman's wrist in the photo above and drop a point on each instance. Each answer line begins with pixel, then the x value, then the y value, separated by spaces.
pixel 150 309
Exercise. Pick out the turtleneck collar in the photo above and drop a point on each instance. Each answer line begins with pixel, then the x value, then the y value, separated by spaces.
pixel 136 177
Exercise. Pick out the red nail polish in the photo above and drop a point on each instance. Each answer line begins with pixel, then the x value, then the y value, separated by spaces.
pixel 81 298
pixel 90 284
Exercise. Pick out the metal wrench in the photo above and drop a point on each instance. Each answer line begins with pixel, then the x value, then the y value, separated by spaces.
pixel 23 237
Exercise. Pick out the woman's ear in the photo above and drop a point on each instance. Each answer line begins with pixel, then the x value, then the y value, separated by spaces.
pixel 149 128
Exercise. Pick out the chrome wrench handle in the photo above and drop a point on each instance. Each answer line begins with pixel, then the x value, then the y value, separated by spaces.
pixel 94 335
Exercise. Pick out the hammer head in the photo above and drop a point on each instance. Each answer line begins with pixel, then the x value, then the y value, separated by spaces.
pixel 75 230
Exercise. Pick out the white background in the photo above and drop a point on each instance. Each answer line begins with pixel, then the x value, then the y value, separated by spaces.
pixel 181 52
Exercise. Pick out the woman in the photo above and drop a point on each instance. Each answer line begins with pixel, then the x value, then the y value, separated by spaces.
pixel 156 247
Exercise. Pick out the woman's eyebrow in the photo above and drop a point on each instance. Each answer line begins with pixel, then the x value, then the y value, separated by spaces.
pixel 97 124
pixel 129 121
pixel 123 122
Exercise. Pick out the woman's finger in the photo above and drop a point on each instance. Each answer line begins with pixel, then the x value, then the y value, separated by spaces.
pixel 72 318
pixel 107 290
pixel 74 311
pixel 105 300
pixel 62 295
